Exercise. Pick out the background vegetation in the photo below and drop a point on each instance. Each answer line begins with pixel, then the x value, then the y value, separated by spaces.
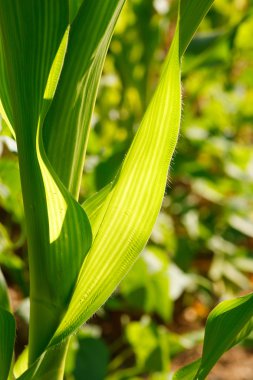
pixel 200 251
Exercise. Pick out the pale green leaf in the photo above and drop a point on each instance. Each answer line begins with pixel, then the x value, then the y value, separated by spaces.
pixel 191 14
pixel 131 208
pixel 21 363
pixel 95 207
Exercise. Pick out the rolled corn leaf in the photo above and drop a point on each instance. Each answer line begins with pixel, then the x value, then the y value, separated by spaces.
pixel 228 320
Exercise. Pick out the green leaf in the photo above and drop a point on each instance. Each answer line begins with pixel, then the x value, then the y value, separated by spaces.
pixel 191 14
pixel 48 366
pixel 226 321
pixel 68 120
pixel 231 320
pixel 188 372
pixel 4 298
pixel 131 207
pixel 7 337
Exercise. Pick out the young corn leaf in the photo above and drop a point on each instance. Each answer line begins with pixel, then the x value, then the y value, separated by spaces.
pixel 128 213
pixel 191 14
pixel 74 5
pixel 188 372
pixel 95 207
pixel 132 205
pixel 226 321
pixel 68 119
pixel 7 337
pixel 231 320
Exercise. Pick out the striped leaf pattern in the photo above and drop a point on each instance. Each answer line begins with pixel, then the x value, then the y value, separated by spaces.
pixel 131 207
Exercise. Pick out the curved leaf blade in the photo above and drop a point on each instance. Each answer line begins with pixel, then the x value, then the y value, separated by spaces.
pixel 226 320
pixel 133 203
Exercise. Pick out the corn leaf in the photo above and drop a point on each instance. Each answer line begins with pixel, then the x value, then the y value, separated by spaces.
pixel 68 119
pixel 131 207
pixel 95 207
pixel 188 372
pixel 191 14
pixel 4 298
pixel 231 319
pixel 226 320
pixel 74 6
pixel 48 366
pixel 7 337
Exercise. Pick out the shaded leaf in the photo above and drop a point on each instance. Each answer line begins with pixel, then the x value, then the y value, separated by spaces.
pixel 7 337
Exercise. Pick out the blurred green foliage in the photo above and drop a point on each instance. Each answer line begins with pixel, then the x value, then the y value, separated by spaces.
pixel 200 251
